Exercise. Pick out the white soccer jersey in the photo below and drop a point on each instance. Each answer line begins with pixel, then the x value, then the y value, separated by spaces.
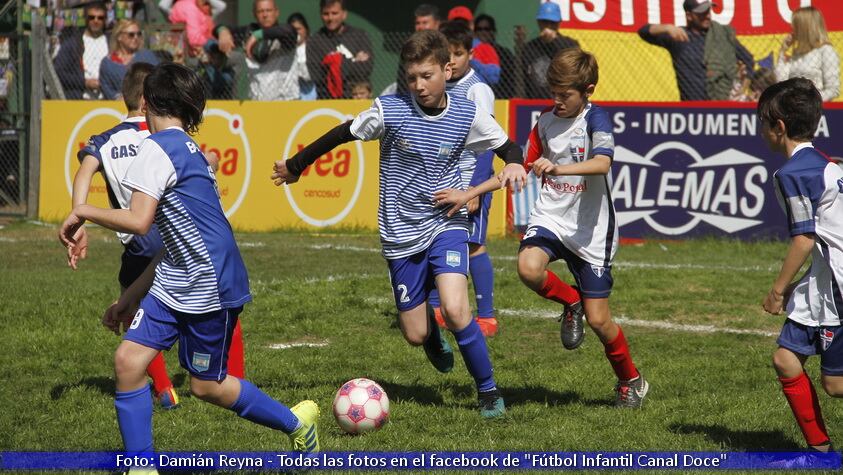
pixel 116 149
pixel 577 209
pixel 474 89
pixel 419 155
pixel 810 189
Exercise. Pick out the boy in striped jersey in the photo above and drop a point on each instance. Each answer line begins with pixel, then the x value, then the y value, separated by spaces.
pixel 571 148
pixel 197 286
pixel 476 168
pixel 111 153
pixel 422 138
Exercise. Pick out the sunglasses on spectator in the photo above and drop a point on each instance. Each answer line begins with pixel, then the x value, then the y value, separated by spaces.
pixel 133 34
pixel 96 17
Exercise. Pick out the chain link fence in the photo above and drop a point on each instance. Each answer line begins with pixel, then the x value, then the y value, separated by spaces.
pixel 13 118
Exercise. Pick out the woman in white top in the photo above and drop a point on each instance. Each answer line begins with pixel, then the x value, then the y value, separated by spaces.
pixel 813 56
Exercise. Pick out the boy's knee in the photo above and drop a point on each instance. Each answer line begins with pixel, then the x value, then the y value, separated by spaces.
pixel 832 387
pixel 125 363
pixel 204 390
pixel 415 338
pixel 530 273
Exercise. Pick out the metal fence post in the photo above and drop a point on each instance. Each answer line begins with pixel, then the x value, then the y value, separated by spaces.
pixel 38 44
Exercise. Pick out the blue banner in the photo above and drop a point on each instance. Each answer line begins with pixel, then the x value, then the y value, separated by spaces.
pixel 415 461
pixel 684 170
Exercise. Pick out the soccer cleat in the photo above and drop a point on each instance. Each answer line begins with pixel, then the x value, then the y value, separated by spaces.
pixel 168 399
pixel 440 353
pixel 305 439
pixel 491 404
pixel 488 325
pixel 631 393
pixel 572 332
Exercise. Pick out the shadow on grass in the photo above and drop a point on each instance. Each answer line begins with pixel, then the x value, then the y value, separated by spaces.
pixel 424 395
pixel 101 383
pixel 738 439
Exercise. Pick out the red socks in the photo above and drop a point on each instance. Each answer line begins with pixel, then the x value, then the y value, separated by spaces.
pixel 157 370
pixel 558 291
pixel 617 351
pixel 805 405
pixel 236 357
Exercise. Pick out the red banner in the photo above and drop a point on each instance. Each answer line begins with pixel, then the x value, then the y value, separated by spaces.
pixel 748 17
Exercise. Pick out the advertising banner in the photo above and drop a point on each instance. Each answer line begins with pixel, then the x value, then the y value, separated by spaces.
pixel 339 190
pixel 685 170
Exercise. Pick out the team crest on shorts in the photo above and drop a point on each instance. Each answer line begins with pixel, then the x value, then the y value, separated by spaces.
pixel 827 336
pixel 201 361
pixel 452 258
pixel 598 271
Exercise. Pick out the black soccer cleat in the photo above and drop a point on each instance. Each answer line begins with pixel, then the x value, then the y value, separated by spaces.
pixel 572 332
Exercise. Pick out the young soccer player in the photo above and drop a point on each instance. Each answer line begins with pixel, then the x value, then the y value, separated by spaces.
pixel 810 189
pixel 422 138
pixel 476 168
pixel 571 149
pixel 119 146
pixel 197 285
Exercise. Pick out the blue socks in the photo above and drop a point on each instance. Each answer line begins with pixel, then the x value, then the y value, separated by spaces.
pixel 472 345
pixel 134 417
pixel 256 406
pixel 483 277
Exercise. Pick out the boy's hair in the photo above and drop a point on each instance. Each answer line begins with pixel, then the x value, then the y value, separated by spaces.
pixel 572 68
pixel 172 90
pixel 458 34
pixel 424 45
pixel 132 88
pixel 361 83
pixel 328 3
pixel 797 103
pixel 487 18
pixel 426 9
pixel 94 6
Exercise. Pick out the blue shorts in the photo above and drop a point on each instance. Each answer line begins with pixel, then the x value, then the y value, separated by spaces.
pixel 203 339
pixel 595 282
pixel 480 220
pixel 414 277
pixel 807 341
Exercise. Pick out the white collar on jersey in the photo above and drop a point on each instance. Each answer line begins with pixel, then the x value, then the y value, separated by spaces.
pixel 801 146
pixel 433 117
pixel 462 79
pixel 137 118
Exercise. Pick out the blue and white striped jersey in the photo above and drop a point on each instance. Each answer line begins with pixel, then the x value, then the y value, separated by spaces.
pixel 810 189
pixel 202 270
pixel 476 167
pixel 419 155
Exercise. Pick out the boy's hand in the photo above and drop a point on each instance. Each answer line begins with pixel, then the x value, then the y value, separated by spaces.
pixel 473 205
pixel 450 196
pixel 513 175
pixel 69 227
pixel 282 174
pixel 79 250
pixel 543 166
pixel 774 302
pixel 120 312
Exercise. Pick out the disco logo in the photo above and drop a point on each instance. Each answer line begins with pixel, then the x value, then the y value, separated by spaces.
pixel 673 188
pixel 330 187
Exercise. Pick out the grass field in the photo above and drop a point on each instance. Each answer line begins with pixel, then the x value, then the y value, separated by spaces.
pixel 691 312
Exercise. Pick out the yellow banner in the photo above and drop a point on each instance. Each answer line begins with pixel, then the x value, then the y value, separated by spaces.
pixel 339 190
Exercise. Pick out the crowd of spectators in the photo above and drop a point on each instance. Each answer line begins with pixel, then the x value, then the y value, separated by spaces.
pixel 288 61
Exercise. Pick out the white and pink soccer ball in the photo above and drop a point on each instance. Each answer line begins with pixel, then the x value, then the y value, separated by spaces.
pixel 361 405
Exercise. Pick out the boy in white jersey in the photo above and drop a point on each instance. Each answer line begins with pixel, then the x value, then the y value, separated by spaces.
pixel 571 149
pixel 197 286
pixel 810 189
pixel 476 168
pixel 422 138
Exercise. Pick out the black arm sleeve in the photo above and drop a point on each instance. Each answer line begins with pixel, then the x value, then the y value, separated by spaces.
pixel 324 144
pixel 510 153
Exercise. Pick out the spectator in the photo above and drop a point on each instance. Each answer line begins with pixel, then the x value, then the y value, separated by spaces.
pixel 338 54
pixel 197 16
pixel 705 53
pixel 216 73
pixel 484 32
pixel 426 18
pixel 80 54
pixel 126 42
pixel 270 49
pixel 361 90
pixel 540 51
pixel 299 23
pixel 485 60
pixel 749 89
pixel 813 56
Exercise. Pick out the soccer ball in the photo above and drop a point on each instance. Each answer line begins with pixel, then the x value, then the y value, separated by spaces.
pixel 361 405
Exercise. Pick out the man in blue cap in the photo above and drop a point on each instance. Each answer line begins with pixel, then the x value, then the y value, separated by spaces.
pixel 705 53
pixel 538 52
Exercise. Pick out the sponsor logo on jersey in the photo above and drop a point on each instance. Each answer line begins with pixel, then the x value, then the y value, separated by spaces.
pixel 201 361
pixel 565 187
pixel 452 258
pixel 827 336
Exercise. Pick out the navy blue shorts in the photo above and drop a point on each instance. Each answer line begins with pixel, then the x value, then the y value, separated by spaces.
pixel 808 341
pixel 595 282
pixel 131 267
pixel 413 277
pixel 480 220
pixel 203 339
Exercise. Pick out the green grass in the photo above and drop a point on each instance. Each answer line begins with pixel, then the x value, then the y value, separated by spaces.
pixel 710 391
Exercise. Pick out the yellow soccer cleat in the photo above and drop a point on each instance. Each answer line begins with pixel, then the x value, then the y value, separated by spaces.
pixel 306 438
